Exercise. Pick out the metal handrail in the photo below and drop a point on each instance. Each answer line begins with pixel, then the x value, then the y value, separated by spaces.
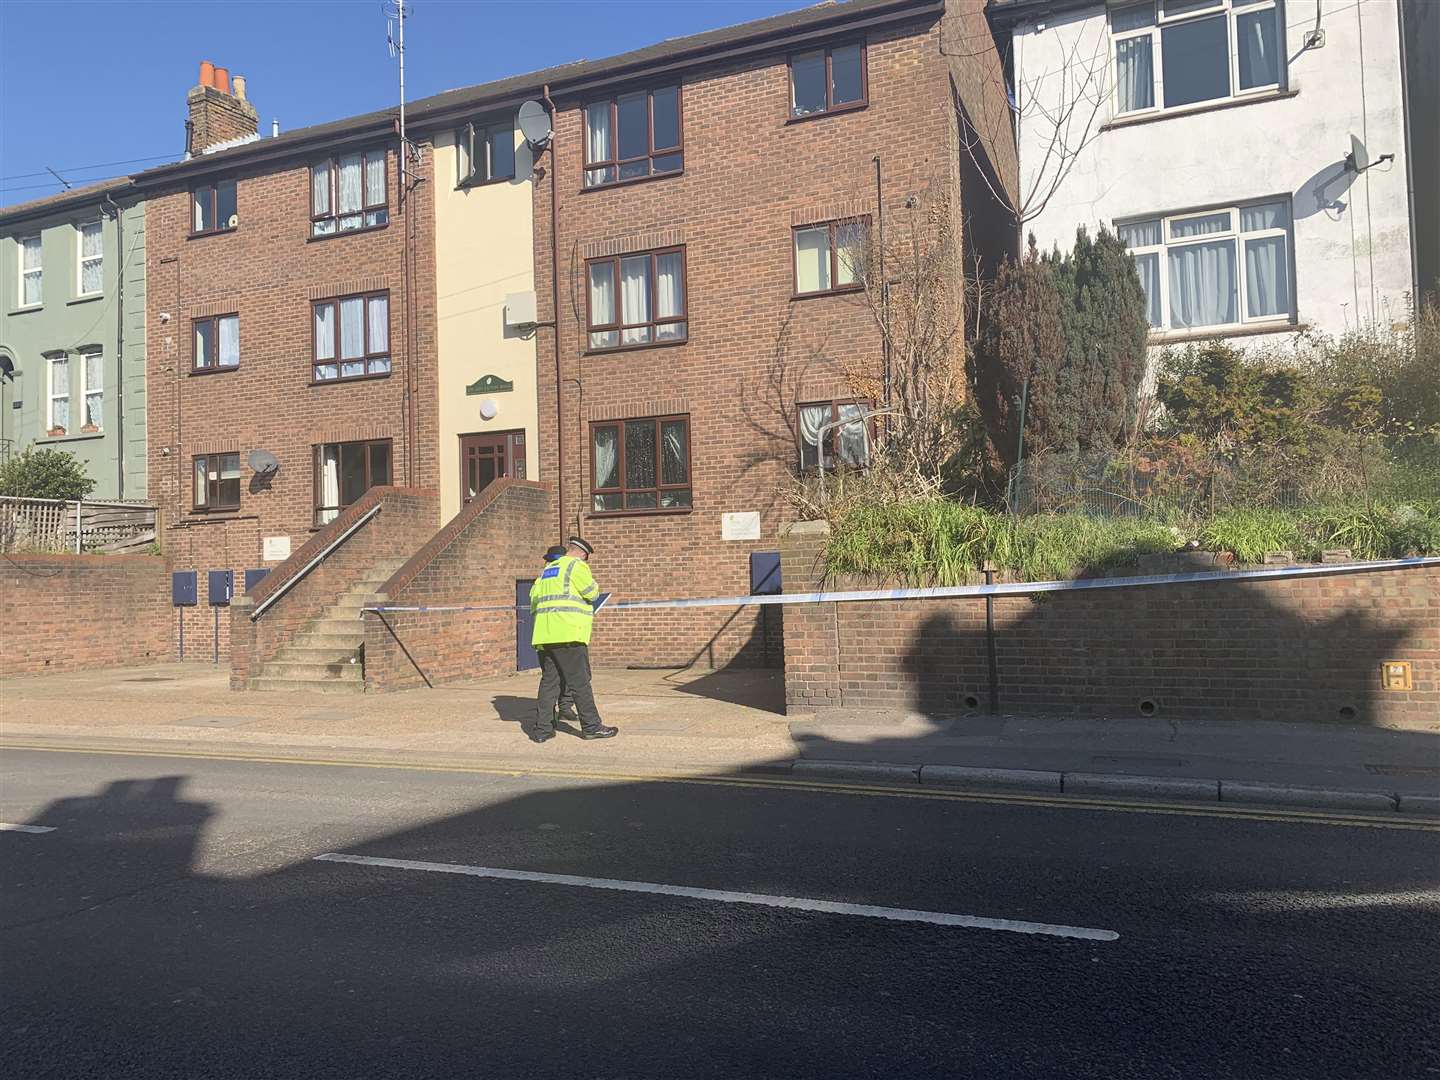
pixel 320 557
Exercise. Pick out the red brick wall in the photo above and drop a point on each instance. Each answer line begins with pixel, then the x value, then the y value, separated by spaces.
pixel 1298 649
pixel 71 612
pixel 753 352
pixel 405 521
pixel 475 560
pixel 268 271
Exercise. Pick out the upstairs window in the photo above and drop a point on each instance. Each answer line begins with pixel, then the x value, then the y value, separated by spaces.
pixel 829 257
pixel 485 154
pixel 217 482
pixel 214 208
pixel 633 136
pixel 352 337
pixel 31 271
pixel 348 192
pixel 828 80
pixel 1218 268
pixel 90 258
pixel 1173 53
pixel 636 299
pixel 217 343
pixel 344 472
pixel 57 405
pixel 92 369
pixel 844 444
pixel 640 465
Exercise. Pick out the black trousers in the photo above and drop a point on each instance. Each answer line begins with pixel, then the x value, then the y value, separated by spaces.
pixel 565 669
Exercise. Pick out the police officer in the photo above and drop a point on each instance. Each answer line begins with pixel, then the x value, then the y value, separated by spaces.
pixel 560 607
pixel 566 711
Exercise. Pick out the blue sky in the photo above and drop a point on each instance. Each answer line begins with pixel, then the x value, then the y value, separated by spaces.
pixel 88 84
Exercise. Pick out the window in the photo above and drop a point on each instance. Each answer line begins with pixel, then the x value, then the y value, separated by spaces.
pixel 1171 53
pixel 485 153
pixel 848 444
pixel 214 208
pixel 217 343
pixel 57 409
pixel 1215 268
pixel 636 299
pixel 344 472
pixel 827 80
pixel 633 136
pixel 641 465
pixel 349 192
pixel 90 258
pixel 217 482
pixel 93 373
pixel 830 257
pixel 31 271
pixel 363 345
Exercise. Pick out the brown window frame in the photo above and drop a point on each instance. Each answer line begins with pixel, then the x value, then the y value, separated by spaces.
pixel 660 488
pixel 830 449
pixel 318 448
pixel 834 224
pixel 654 324
pixel 210 504
pixel 475 133
pixel 365 208
pixel 614 161
pixel 336 360
pixel 830 109
pixel 214 320
pixel 214 189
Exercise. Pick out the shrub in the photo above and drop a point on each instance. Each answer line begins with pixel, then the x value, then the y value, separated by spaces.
pixel 1249 534
pixel 45 474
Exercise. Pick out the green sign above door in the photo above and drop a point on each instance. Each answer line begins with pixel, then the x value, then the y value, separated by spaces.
pixel 489 384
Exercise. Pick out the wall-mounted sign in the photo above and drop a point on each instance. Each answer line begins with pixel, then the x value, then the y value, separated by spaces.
pixel 741 526
pixel 1397 675
pixel 275 548
pixel 489 384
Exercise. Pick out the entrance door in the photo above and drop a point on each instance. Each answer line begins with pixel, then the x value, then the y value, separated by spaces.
pixel 488 457
pixel 525 656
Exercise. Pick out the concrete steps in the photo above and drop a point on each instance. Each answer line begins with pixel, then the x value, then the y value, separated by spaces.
pixel 306 686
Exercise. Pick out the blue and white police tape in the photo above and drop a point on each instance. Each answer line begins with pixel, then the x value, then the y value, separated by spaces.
pixel 948 592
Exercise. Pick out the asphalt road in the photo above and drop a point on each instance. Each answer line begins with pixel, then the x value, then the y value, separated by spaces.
pixel 175 923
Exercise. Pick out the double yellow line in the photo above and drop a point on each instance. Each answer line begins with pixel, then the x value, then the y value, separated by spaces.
pixel 784 783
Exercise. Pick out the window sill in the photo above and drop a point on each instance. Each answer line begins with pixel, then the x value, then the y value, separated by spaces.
pixel 347 232
pixel 838 110
pixel 79 436
pixel 605 515
pixel 611 185
pixel 846 290
pixel 1195 110
pixel 637 346
pixel 88 298
pixel 466 185
pixel 219 513
pixel 350 379
pixel 210 232
pixel 1180 337
pixel 27 309
pixel 214 370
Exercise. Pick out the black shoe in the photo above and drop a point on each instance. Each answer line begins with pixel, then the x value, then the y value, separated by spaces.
pixel 601 732
pixel 570 717
pixel 541 736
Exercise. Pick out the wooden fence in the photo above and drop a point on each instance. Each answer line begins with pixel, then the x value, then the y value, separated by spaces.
pixel 53 525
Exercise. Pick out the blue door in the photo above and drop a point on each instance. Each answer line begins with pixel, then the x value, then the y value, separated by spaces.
pixel 525 658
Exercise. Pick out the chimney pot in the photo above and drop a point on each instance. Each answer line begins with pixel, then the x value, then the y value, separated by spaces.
pixel 207 73
pixel 238 82
pixel 222 80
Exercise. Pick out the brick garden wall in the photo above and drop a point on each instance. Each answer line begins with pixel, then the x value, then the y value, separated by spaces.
pixel 476 559
pixel 1305 649
pixel 405 521
pixel 72 612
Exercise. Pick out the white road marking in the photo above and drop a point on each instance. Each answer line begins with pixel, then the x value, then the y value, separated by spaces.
pixel 5 826
pixel 831 907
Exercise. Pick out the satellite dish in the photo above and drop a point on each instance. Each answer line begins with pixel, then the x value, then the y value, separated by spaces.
pixel 488 409
pixel 7 367
pixel 263 462
pixel 535 123
pixel 1358 157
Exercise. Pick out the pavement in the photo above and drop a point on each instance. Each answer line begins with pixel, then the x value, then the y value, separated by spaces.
pixel 192 918
pixel 698 722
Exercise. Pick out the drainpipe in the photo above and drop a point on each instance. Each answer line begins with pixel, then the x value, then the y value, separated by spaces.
pixel 884 285
pixel 1415 282
pixel 555 302
pixel 119 349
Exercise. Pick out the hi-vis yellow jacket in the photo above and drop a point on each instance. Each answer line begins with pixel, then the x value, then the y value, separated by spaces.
pixel 560 603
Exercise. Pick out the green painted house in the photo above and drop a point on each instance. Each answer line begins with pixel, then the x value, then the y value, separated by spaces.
pixel 72 332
